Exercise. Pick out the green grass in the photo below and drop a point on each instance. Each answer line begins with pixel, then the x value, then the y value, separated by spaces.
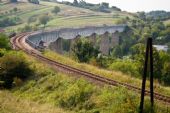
pixel 49 91
pixel 68 17
pixel 115 75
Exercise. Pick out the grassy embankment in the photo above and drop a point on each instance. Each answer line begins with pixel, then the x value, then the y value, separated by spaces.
pixel 55 92
pixel 115 75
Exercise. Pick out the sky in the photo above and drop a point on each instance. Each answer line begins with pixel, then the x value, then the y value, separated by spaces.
pixel 136 5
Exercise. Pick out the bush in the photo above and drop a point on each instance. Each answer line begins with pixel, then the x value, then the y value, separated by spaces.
pixel 166 74
pixel 77 95
pixel 126 66
pixel 44 19
pixel 56 10
pixel 31 20
pixel 4 41
pixel 34 1
pixel 2 52
pixel 26 28
pixel 13 65
pixel 84 50
pixel 9 21
pixel 15 9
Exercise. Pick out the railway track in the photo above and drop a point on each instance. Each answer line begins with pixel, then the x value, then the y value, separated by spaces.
pixel 18 42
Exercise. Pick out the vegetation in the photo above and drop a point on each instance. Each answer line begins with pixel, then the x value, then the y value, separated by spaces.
pixel 39 89
pixel 13 1
pixel 56 10
pixel 158 15
pixel 34 1
pixel 44 19
pixel 84 50
pixel 51 92
pixel 14 104
pixel 4 41
pixel 9 21
pixel 103 7
pixel 78 95
pixel 13 67
pixel 69 16
pixel 112 74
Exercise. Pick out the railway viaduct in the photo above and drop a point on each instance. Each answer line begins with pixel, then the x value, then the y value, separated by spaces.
pixel 53 38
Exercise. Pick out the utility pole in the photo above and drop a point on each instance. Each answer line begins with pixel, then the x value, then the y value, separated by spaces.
pixel 148 56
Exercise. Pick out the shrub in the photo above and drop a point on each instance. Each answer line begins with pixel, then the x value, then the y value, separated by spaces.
pixel 2 52
pixel 34 1
pixel 31 20
pixel 126 66
pixel 4 41
pixel 9 21
pixel 166 73
pixel 44 19
pixel 56 10
pixel 15 9
pixel 26 28
pixel 77 95
pixel 84 50
pixel 13 65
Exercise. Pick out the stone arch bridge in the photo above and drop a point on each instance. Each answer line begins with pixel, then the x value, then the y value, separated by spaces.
pixel 51 36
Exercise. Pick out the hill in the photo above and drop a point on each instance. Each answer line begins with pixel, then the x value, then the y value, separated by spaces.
pixel 69 16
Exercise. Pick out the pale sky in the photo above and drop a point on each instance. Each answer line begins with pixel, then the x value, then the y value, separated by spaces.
pixel 136 5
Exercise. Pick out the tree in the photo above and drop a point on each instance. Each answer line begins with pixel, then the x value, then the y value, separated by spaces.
pixel 165 60
pixel 117 52
pixel 105 5
pixel 56 10
pixel 138 54
pixel 84 50
pixel 166 73
pixel 4 41
pixel 13 1
pixel 75 3
pixel 44 19
pixel 15 9
pixel 34 1
pixel 142 15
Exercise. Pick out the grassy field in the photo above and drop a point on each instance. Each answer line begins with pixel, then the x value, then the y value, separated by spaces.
pixel 167 22
pixel 68 16
pixel 49 91
pixel 115 75
pixel 9 103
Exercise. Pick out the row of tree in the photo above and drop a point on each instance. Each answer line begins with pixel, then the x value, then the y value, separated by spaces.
pixel 31 1
pixel 103 7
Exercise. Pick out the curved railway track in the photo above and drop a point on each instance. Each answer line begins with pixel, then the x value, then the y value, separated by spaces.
pixel 18 42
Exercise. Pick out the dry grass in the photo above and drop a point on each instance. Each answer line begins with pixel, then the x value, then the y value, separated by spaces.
pixel 167 22
pixel 12 104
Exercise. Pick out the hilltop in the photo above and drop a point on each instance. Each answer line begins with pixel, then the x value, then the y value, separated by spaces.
pixel 69 16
